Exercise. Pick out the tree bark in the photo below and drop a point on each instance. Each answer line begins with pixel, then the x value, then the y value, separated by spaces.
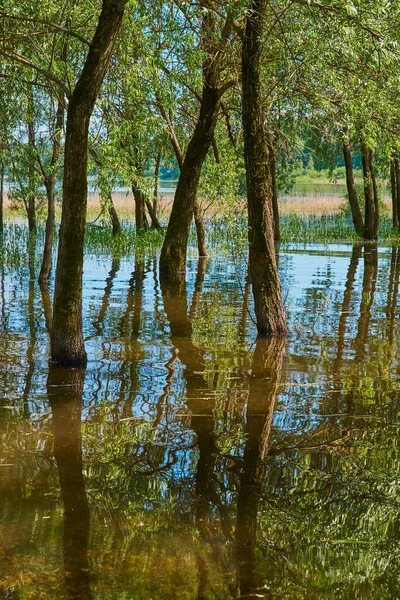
pixel 275 205
pixel 368 193
pixel 115 222
pixel 351 190
pixel 393 185
pixel 201 234
pixel 50 181
pixel 140 216
pixel 262 262
pixel 67 346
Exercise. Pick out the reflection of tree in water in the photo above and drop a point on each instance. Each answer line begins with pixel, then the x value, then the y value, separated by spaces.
pixel 64 389
pixel 264 381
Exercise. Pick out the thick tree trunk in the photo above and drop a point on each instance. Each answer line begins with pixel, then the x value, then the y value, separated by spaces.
pixel 368 193
pixel 67 346
pixel 1 197
pixel 200 230
pixel 352 191
pixel 275 205
pixel 393 186
pixel 262 262
pixel 140 216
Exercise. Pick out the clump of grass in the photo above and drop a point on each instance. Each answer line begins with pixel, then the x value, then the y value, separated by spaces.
pixel 99 238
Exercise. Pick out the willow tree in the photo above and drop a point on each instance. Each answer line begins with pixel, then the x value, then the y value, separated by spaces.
pixel 263 270
pixel 215 36
pixel 67 345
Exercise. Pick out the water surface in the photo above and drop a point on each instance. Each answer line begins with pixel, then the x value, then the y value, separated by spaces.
pixel 189 460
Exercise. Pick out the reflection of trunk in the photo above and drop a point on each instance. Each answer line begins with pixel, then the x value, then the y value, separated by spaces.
pixel 201 234
pixel 32 327
pixel 367 299
pixel 64 389
pixel 201 405
pixel 393 290
pixel 265 378
pixel 67 346
pixel 264 275
pixel 47 308
pixel 351 190
pixel 370 219
pixel 351 276
pixel 98 324
pixel 1 196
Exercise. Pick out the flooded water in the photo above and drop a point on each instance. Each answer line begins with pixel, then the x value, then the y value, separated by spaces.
pixel 189 461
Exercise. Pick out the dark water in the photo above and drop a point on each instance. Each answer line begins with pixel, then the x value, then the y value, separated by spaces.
pixel 190 462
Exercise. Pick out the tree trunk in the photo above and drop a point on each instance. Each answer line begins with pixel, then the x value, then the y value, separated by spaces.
pixel 397 173
pixel 31 168
pixel 376 196
pixel 50 182
pixel 352 191
pixel 275 205
pixel 155 223
pixel 1 197
pixel 262 262
pixel 67 346
pixel 155 192
pixel 115 222
pixel 140 217
pixel 368 193
pixel 173 253
pixel 201 234
pixel 393 185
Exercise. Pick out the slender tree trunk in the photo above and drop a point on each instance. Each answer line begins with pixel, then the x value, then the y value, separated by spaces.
pixel 200 230
pixel 397 173
pixel 155 223
pixel 376 196
pixel 67 346
pixel 275 205
pixel 368 192
pixel 50 183
pixel 31 167
pixel 352 191
pixel 262 262
pixel 140 216
pixel 393 185
pixel 115 222
pixel 156 180
pixel 1 197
